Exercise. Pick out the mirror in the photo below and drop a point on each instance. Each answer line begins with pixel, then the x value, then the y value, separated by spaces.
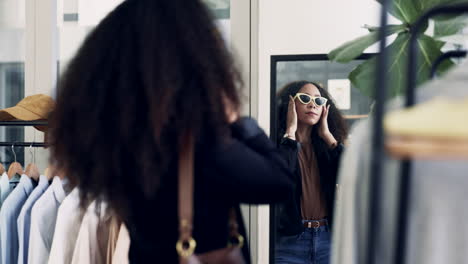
pixel 288 238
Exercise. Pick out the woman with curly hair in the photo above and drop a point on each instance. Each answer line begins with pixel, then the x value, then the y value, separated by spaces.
pixel 311 131
pixel 149 72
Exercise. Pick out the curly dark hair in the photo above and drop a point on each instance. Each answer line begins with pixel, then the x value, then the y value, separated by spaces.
pixel 336 122
pixel 150 70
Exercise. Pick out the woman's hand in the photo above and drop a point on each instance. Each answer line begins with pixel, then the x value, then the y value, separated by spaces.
pixel 232 113
pixel 323 131
pixel 291 123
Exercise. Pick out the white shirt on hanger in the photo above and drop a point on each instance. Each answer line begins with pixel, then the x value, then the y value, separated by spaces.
pixel 97 236
pixel 68 224
pixel 43 217
pixel 123 246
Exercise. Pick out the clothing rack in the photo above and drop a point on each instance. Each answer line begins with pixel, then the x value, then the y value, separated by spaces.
pixel 378 134
pixel 22 123
pixel 377 140
pixel 444 56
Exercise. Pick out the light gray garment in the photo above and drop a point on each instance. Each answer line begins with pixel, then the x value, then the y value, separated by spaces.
pixel 10 211
pixel 43 217
pixel 24 219
pixel 438 201
pixel 351 210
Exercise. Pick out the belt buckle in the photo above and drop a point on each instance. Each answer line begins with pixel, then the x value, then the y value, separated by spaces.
pixel 314 224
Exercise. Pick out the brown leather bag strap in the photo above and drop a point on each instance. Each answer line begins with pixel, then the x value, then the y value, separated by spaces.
pixel 235 238
pixel 186 244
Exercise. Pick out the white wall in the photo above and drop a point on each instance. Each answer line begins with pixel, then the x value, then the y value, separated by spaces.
pixel 12 41
pixel 12 35
pixel 12 13
pixel 92 11
pixel 301 27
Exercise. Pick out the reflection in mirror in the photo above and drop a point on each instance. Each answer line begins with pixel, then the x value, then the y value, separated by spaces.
pixel 313 104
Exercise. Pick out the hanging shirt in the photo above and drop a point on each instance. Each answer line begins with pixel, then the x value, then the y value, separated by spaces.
pixel 9 214
pixel 351 210
pixel 7 185
pixel 24 219
pixel 14 181
pixel 68 224
pixel 96 236
pixel 122 247
pixel 43 217
pixel 4 191
pixel 114 229
pixel 4 187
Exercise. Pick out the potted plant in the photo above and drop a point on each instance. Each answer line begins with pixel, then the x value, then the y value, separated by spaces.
pixel 429 46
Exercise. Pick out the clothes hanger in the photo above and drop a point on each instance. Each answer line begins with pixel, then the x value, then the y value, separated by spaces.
pixel 15 167
pixel 49 172
pixel 53 170
pixel 2 169
pixel 31 170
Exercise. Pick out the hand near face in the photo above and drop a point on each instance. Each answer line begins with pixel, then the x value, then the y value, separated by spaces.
pixel 324 131
pixel 291 123
pixel 232 113
pixel 323 126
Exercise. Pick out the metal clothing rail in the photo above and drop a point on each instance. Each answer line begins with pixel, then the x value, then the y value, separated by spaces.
pixel 444 56
pixel 377 141
pixel 23 123
pixel 378 135
pixel 23 144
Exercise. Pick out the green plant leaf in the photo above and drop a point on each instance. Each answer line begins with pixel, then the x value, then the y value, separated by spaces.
pixel 363 76
pixel 404 10
pixel 391 28
pixel 439 43
pixel 410 10
pixel 425 5
pixel 352 49
pixel 449 27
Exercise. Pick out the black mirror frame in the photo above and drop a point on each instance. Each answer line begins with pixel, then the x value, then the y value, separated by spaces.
pixel 274 59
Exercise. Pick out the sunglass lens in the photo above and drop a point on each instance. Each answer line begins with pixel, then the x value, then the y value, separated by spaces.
pixel 320 101
pixel 304 98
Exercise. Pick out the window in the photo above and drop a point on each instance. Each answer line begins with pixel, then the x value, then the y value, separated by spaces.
pixel 12 57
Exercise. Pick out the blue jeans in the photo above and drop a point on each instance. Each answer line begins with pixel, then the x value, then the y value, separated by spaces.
pixel 311 246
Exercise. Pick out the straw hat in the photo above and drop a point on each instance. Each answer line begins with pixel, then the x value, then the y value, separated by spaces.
pixel 31 108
